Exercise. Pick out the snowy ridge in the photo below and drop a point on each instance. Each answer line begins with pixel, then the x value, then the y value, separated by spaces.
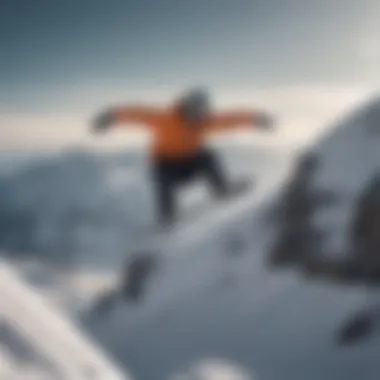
pixel 73 354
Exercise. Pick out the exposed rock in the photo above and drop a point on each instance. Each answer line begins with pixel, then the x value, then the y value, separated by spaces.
pixel 136 274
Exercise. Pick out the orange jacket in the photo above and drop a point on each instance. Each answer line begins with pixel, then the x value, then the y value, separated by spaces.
pixel 172 137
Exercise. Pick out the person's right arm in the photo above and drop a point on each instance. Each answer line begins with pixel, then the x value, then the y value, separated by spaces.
pixel 116 116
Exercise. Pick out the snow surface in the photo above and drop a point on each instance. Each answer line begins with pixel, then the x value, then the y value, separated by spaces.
pixel 42 340
pixel 211 312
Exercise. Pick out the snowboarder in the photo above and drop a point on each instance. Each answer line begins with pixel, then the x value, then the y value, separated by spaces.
pixel 178 153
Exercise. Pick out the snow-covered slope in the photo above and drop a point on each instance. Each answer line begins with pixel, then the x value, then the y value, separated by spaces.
pixel 37 200
pixel 37 341
pixel 217 310
pixel 77 211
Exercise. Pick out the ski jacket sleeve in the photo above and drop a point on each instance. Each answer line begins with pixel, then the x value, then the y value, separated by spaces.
pixel 237 119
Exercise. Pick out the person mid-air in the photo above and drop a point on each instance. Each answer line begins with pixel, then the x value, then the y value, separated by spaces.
pixel 178 152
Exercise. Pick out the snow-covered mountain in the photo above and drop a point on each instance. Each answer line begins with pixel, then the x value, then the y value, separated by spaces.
pixel 214 305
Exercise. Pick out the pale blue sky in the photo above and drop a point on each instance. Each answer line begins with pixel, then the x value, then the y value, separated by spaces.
pixel 59 56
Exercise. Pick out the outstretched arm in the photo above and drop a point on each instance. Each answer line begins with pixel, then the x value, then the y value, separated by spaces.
pixel 239 119
pixel 145 116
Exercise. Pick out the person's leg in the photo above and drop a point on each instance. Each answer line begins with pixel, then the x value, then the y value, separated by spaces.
pixel 207 165
pixel 164 192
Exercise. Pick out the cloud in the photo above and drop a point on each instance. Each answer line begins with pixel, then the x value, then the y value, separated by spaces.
pixel 56 131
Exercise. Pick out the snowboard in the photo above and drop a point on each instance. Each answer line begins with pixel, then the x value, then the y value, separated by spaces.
pixel 238 189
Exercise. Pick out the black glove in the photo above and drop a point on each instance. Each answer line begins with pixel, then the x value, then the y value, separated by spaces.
pixel 265 121
pixel 102 121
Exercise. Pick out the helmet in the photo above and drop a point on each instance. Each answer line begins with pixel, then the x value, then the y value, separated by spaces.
pixel 194 104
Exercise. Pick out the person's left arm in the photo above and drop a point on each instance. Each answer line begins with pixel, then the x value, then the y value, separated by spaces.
pixel 239 119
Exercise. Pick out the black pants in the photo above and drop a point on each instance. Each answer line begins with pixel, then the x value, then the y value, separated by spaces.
pixel 168 175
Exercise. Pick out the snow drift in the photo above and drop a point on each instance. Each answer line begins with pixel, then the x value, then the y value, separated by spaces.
pixel 43 343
